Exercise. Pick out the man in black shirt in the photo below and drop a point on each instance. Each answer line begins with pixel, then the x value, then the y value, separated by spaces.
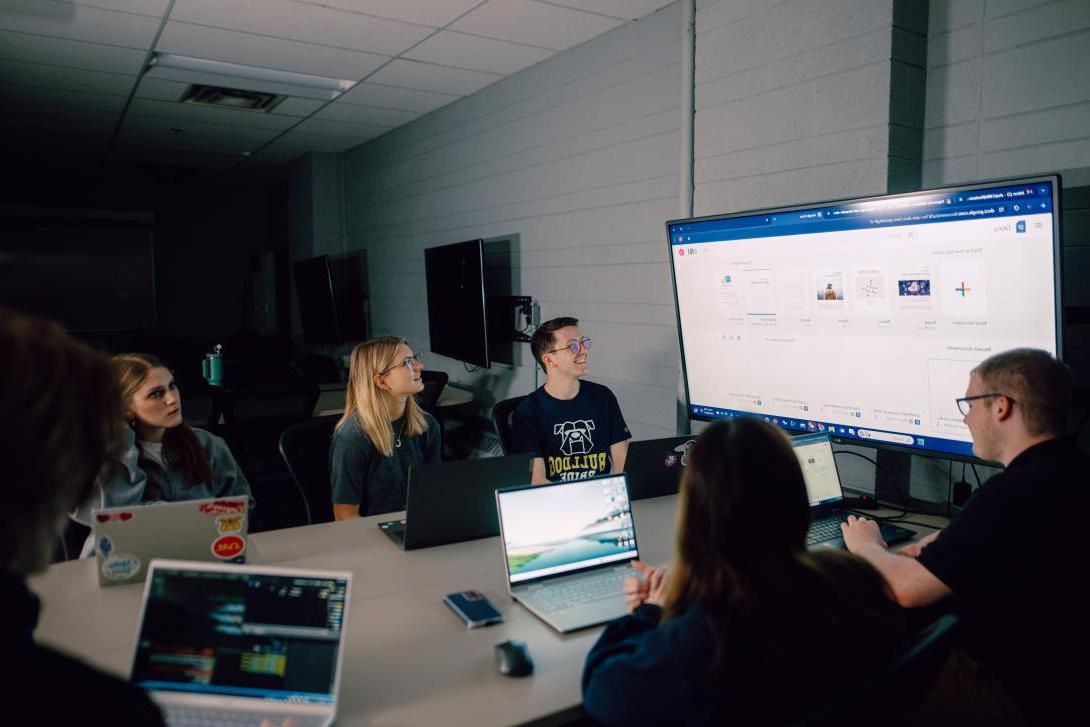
pixel 574 428
pixel 1012 558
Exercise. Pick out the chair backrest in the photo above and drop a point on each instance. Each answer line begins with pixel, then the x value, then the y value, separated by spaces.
pixel 434 383
pixel 255 416
pixel 899 687
pixel 305 449
pixel 501 419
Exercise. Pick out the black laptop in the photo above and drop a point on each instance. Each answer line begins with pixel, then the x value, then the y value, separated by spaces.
pixel 827 511
pixel 654 466
pixel 450 502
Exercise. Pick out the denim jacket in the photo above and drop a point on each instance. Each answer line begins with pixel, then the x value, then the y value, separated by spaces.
pixel 125 485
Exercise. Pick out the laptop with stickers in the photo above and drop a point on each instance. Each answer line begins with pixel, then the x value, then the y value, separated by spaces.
pixel 127 538
pixel 240 644
pixel 654 466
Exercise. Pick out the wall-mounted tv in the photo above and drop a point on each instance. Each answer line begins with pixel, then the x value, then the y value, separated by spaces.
pixel 457 318
pixel 863 317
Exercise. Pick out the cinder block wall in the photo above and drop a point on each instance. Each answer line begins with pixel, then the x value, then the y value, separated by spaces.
pixel 576 160
pixel 1008 94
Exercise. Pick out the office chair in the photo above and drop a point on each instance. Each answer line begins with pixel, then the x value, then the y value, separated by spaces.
pixel 898 688
pixel 253 418
pixel 305 449
pixel 434 383
pixel 501 419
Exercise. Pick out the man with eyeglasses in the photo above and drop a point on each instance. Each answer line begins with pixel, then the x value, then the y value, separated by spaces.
pixel 1013 557
pixel 572 426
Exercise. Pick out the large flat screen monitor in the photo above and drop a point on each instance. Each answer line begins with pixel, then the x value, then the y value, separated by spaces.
pixel 457 319
pixel 863 318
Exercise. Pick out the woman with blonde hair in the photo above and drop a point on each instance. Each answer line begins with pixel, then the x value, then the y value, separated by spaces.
pixel 383 430
pixel 163 459
pixel 747 626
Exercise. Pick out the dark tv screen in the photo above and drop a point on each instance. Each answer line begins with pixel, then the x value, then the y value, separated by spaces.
pixel 317 305
pixel 457 322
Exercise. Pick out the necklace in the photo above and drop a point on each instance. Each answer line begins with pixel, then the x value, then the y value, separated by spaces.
pixel 400 431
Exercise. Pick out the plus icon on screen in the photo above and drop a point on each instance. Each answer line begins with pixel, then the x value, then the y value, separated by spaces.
pixel 963 289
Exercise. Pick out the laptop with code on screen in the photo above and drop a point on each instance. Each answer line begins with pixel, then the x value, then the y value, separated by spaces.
pixel 826 494
pixel 238 644
pixel 567 548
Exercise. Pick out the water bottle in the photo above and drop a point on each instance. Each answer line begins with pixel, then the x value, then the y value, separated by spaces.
pixel 212 366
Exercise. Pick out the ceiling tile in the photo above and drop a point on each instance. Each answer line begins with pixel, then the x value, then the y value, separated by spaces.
pixel 448 48
pixel 208 114
pixel 154 139
pixel 297 107
pixel 192 128
pixel 349 113
pixel 392 97
pixel 306 23
pixel 70 53
pixel 434 13
pixel 534 23
pixel 58 98
pixel 428 77
pixel 36 74
pixel 624 9
pixel 230 46
pixel 64 20
pixel 154 8
pixel 160 89
pixel 360 132
pixel 316 142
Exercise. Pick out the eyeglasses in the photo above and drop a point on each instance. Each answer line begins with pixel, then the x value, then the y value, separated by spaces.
pixel 574 345
pixel 965 403
pixel 408 362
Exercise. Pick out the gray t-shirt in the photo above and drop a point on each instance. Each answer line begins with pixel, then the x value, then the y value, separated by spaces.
pixel 360 475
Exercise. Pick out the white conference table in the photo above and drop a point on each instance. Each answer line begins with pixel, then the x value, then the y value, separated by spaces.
pixel 409 660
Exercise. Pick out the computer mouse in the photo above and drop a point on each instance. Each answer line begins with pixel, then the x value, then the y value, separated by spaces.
pixel 513 659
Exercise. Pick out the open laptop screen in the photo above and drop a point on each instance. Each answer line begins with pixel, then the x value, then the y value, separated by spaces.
pixel 815 453
pixel 567 526
pixel 244 634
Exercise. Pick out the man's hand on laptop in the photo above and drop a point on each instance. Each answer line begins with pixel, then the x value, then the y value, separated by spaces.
pixel 860 532
pixel 648 587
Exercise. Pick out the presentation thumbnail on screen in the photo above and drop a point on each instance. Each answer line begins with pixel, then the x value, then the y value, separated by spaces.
pixel 914 288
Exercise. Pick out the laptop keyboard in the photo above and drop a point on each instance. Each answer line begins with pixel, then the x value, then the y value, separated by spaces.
pixel 558 597
pixel 826 529
pixel 187 716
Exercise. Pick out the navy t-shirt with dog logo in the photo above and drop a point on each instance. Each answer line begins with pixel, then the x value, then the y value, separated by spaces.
pixel 573 436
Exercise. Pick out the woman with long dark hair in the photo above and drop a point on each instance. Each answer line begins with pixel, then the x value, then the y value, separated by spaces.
pixel 163 458
pixel 746 625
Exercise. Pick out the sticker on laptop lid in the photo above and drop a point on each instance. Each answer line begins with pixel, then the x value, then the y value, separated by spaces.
pixel 227 547
pixel 121 566
pixel 105 545
pixel 222 507
pixel 229 523
pixel 105 517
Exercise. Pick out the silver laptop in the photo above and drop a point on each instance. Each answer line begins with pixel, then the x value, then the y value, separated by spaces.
pixel 238 644
pixel 567 547
pixel 826 494
pixel 127 538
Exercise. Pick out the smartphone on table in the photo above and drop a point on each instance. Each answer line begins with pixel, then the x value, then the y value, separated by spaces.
pixel 473 608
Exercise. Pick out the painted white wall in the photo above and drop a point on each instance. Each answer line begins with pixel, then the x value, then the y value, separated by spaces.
pixel 577 157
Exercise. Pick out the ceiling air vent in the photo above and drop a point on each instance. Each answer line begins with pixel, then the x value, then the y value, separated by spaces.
pixel 231 98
